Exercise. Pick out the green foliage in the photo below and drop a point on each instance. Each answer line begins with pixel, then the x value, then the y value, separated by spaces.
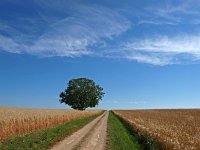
pixel 82 93
pixel 45 138
pixel 119 138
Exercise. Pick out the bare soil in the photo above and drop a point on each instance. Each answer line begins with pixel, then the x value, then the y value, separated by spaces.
pixel 91 137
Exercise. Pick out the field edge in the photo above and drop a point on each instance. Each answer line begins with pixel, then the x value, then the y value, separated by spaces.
pixel 45 138
pixel 118 136
pixel 146 142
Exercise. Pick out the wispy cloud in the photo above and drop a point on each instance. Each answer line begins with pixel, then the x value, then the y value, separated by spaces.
pixel 75 34
pixel 164 50
pixel 71 29
pixel 170 13
pixel 156 22
pixel 9 45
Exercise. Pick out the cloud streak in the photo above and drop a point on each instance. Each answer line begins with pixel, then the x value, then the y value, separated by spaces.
pixel 75 34
pixel 9 45
pixel 164 50
pixel 70 29
pixel 171 13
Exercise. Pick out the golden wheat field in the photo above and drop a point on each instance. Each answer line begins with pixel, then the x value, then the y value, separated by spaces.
pixel 173 129
pixel 14 121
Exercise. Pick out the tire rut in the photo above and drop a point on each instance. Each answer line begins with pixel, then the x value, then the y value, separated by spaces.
pixel 91 136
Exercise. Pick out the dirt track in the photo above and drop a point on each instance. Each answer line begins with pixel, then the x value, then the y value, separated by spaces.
pixel 90 137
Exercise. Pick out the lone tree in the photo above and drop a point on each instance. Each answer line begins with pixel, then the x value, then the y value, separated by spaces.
pixel 82 93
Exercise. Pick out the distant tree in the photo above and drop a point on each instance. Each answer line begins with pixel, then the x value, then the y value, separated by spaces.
pixel 82 93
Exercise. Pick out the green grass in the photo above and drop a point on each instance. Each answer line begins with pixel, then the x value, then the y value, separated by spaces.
pixel 119 138
pixel 43 139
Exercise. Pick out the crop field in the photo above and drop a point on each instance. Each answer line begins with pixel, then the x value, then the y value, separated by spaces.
pixel 172 129
pixel 14 121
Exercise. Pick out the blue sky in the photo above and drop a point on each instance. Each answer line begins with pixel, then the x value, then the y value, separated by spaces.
pixel 145 54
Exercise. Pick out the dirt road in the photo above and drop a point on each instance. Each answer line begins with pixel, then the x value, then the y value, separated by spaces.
pixel 90 137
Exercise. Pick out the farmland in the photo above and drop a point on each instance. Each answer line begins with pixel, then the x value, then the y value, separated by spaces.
pixel 18 121
pixel 171 129
pixel 127 129
pixel 119 138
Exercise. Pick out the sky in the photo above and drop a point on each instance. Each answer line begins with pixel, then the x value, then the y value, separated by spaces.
pixel 145 54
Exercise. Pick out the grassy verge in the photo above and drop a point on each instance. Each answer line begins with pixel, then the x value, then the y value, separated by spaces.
pixel 119 138
pixel 43 139
pixel 146 142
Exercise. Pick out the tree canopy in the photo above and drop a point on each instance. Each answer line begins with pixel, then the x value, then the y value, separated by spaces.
pixel 82 93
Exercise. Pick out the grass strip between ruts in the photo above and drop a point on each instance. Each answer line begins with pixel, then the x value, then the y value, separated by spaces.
pixel 45 138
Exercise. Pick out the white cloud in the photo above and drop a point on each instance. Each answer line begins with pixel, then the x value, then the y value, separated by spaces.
pixel 79 30
pixel 9 45
pixel 164 50
pixel 170 13
pixel 179 44
pixel 73 35
pixel 156 22
pixel 150 59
